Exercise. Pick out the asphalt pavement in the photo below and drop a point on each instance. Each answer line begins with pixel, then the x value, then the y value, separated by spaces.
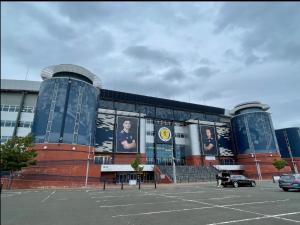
pixel 182 204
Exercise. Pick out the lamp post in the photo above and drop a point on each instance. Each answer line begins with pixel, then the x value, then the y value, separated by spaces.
pixel 88 162
pixel 174 171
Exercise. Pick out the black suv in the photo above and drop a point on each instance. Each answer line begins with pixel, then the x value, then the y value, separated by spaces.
pixel 237 181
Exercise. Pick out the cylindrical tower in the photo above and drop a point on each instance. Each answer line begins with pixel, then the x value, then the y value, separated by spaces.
pixel 254 138
pixel 66 107
pixel 252 128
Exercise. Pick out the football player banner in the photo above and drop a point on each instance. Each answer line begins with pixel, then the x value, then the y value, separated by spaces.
pixel 208 140
pixel 163 134
pixel 127 138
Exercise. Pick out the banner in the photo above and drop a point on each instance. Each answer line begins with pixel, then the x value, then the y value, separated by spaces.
pixel 127 134
pixel 208 140
pixel 224 141
pixel 164 134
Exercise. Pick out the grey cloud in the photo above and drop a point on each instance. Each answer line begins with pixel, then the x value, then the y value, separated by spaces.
pixel 211 95
pixel 95 12
pixel 150 55
pixel 37 39
pixel 174 74
pixel 148 86
pixel 206 61
pixel 205 71
pixel 268 28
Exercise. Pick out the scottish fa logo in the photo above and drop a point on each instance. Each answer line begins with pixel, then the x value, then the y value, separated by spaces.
pixel 164 134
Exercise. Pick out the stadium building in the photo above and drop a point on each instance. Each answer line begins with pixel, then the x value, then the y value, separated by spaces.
pixel 85 134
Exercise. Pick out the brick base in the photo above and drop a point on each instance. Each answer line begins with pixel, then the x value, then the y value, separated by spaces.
pixel 265 163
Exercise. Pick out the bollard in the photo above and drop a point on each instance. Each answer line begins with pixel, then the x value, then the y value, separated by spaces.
pixel 122 186
pixel 139 184
pixel 104 185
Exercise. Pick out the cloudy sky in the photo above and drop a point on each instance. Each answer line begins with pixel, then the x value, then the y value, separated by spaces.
pixel 211 53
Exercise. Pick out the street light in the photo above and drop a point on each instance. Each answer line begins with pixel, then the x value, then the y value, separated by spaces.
pixel 174 170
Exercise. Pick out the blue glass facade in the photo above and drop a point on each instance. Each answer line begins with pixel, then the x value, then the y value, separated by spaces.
pixel 65 112
pixel 286 138
pixel 253 133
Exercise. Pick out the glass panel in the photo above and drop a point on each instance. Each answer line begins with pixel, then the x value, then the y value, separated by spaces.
pixel 240 134
pixel 58 111
pixel 71 112
pixel 42 110
pixel 106 104
pixel 261 132
pixel 5 108
pixel 124 107
pixel 87 123
pixel 164 113
pixel 198 116
pixel 148 110
pixel 181 115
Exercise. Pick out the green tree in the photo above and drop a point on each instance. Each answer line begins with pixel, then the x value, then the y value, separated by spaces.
pixel 279 164
pixel 136 163
pixel 17 153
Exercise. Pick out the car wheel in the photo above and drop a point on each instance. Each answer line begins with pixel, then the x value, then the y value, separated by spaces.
pixel 235 184
pixel 253 184
pixel 285 189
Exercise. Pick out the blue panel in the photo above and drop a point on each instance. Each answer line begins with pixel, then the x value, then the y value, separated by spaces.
pixel 260 133
pixel 282 144
pixel 240 135
pixel 294 140
pixel 88 116
pixel 42 110
pixel 71 111
pixel 58 110
pixel 53 116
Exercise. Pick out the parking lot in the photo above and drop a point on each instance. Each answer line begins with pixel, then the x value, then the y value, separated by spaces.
pixel 198 203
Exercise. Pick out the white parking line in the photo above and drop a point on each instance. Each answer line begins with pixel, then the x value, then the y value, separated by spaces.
pixel 197 208
pixel 131 204
pixel 278 216
pixel 184 192
pixel 165 211
pixel 123 196
pixel 45 199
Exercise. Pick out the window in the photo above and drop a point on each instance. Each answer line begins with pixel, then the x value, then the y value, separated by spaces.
pixel 163 122
pixel 8 123
pixel 149 121
pixel 102 160
pixel 28 109
pixel 179 135
pixel 150 133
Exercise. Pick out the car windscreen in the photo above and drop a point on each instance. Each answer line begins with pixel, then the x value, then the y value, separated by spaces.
pixel 287 177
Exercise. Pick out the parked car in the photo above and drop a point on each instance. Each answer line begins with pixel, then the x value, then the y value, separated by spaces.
pixel 289 181
pixel 237 181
